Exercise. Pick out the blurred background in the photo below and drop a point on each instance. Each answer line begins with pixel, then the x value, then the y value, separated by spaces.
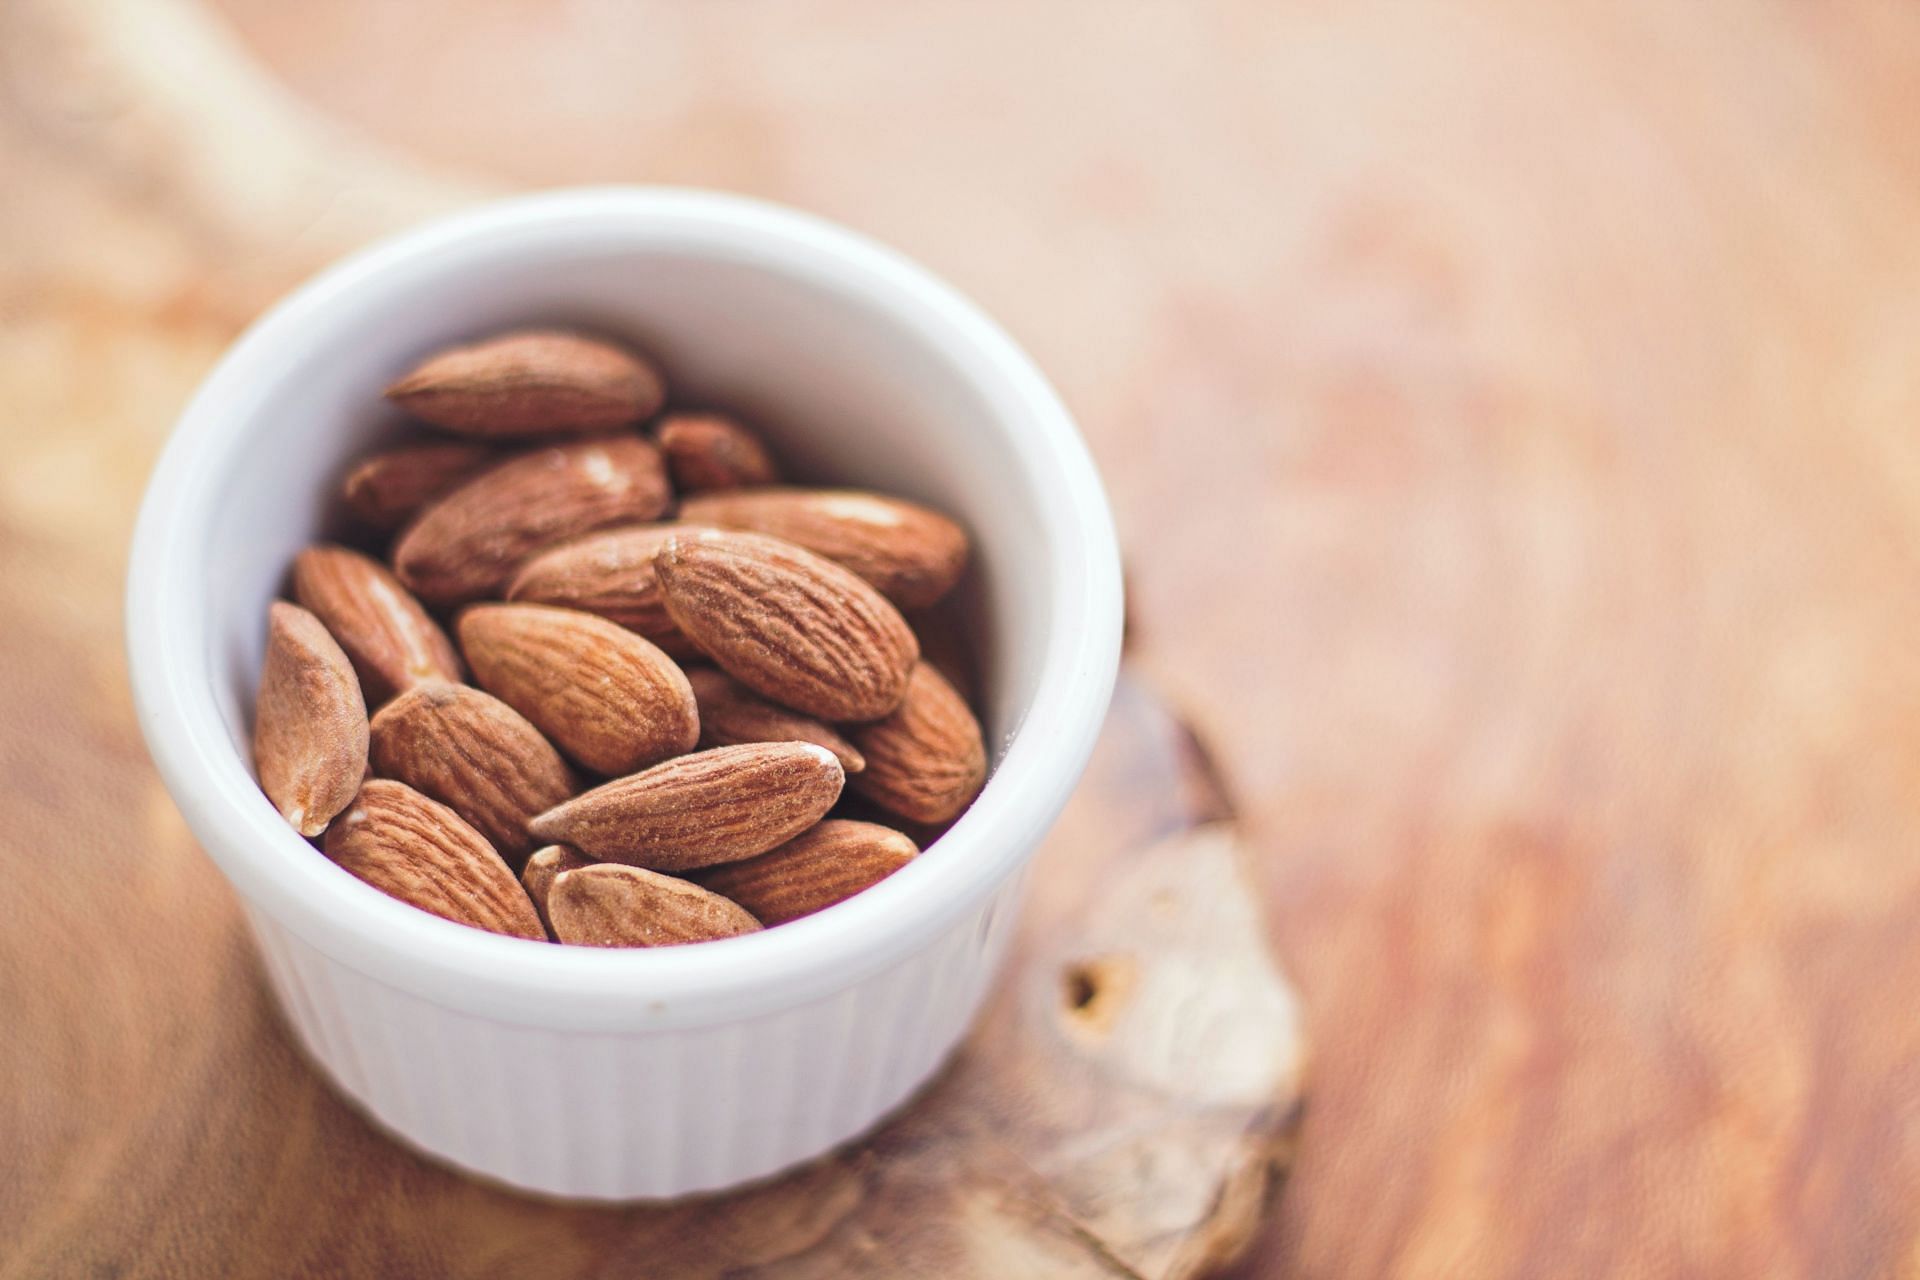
pixel 1512 415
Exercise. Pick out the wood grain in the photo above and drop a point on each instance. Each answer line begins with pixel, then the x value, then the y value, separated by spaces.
pixel 1510 410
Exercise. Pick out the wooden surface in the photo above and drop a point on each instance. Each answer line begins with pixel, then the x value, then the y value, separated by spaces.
pixel 1512 412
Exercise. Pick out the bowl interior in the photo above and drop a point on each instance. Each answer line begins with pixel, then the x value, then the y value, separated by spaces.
pixel 844 393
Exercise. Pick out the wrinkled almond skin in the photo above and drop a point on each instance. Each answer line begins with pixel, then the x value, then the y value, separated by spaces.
pixel 538 875
pixel 388 489
pixel 607 697
pixel 911 554
pixel 926 761
pixel 698 810
pixel 610 574
pixel 469 543
pixel 616 906
pixel 390 639
pixel 532 383
pixel 826 864
pixel 788 624
pixel 419 851
pixel 310 721
pixel 474 754
pixel 731 714
pixel 707 451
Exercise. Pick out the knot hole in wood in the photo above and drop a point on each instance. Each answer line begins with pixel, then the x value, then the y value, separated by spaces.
pixel 1095 991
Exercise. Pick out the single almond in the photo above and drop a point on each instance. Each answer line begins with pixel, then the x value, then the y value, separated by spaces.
pixel 709 451
pixel 390 639
pixel 731 714
pixel 926 761
pixel 788 624
pixel 536 382
pixel 388 489
pixel 826 864
pixel 538 875
pixel 604 695
pixel 310 721
pixel 616 906
pixel 474 754
pixel 419 851
pixel 911 554
pixel 609 573
pixel 697 810
pixel 468 544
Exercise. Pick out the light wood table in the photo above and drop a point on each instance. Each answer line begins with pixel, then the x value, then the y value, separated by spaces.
pixel 1512 412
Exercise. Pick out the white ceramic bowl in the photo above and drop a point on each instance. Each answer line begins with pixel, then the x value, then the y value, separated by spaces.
pixel 580 1072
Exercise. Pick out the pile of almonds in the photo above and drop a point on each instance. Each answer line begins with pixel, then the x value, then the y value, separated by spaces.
pixel 664 665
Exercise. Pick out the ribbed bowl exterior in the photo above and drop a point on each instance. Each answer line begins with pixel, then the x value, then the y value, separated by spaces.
pixel 643 1114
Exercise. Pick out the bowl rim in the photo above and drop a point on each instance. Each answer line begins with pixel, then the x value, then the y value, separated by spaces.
pixel 277 873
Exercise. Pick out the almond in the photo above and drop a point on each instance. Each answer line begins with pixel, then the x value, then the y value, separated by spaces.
pixel 827 864
pixel 391 641
pixel 537 382
pixel 614 906
pixel 606 696
pixel 788 624
pixel 419 851
pixel 538 875
pixel 708 451
pixel 926 761
pixel 310 721
pixel 474 754
pixel 468 544
pixel 911 554
pixel 609 573
pixel 701 809
pixel 387 489
pixel 730 714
